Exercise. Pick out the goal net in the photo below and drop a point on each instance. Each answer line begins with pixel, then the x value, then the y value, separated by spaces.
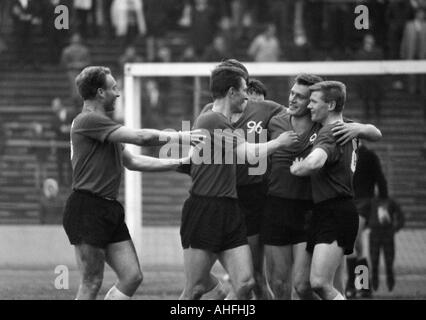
pixel 161 95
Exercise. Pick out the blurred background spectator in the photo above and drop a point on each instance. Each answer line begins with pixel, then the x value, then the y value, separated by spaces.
pixel 217 51
pixel 368 178
pixel 413 47
pixel 61 126
pixel 386 220
pixel 84 17
pixel 370 89
pixel 128 19
pixel 41 152
pixel 51 204
pixel 265 47
pixel 56 39
pixel 75 58
pixel 26 16
pixel 201 25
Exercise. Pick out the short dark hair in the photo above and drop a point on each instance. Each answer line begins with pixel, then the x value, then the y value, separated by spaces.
pixel 90 80
pixel 236 64
pixel 332 91
pixel 306 79
pixel 257 87
pixel 223 78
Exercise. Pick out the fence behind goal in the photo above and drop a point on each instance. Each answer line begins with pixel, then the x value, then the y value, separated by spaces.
pixel 163 95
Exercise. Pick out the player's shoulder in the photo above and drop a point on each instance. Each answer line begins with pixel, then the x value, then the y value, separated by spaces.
pixel 91 118
pixel 207 107
pixel 211 120
pixel 281 117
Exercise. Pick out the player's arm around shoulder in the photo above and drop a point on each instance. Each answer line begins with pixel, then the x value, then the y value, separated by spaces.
pixel 346 131
pixel 142 163
pixel 313 162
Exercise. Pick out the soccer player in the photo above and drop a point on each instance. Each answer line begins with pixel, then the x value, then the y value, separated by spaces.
pixel 289 200
pixel 212 224
pixel 334 224
pixel 251 188
pixel 93 218
pixel 256 90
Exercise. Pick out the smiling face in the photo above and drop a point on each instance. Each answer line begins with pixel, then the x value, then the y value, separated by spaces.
pixel 318 107
pixel 298 100
pixel 239 97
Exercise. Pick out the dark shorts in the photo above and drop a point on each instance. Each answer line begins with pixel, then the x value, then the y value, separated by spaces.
pixel 212 224
pixel 334 220
pixel 285 221
pixel 89 219
pixel 251 199
pixel 363 207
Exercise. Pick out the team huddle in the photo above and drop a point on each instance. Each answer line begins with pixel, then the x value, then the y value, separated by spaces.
pixel 280 233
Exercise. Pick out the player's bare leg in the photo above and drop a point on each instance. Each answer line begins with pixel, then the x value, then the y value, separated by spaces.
pixel 302 271
pixel 122 258
pixel 238 263
pixel 197 267
pixel 325 261
pixel 91 263
pixel 339 278
pixel 261 287
pixel 279 260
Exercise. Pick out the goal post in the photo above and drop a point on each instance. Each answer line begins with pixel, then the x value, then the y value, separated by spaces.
pixel 134 72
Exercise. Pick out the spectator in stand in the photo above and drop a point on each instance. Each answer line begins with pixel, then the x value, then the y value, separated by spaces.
pixel 398 12
pixel 26 16
pixel 128 19
pixel 103 17
pixel 413 47
pixel 61 125
pixel 386 220
pixel 130 55
pixel 265 47
pixel 228 31
pixel 83 14
pixel 157 21
pixel 367 177
pixel 75 58
pixel 218 51
pixel 51 204
pixel 370 88
pixel 202 26
pixel 189 55
pixel 301 49
pixel 55 38
pixel 42 152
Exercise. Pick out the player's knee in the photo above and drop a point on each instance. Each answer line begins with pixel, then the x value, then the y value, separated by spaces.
pixel 302 288
pixel 279 287
pixel 93 282
pixel 318 285
pixel 245 287
pixel 197 291
pixel 134 278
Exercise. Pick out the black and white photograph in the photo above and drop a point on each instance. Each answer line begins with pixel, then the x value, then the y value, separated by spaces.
pixel 212 150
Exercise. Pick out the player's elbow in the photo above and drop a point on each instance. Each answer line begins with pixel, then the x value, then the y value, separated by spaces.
pixel 373 134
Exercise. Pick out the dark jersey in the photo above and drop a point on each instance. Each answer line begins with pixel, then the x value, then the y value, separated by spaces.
pixel 334 179
pixel 281 183
pixel 218 178
pixel 253 121
pixel 97 164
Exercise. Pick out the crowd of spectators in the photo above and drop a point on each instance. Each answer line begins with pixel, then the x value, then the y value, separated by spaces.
pixel 267 30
